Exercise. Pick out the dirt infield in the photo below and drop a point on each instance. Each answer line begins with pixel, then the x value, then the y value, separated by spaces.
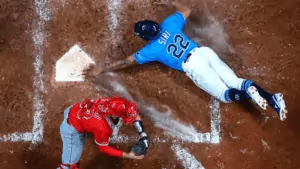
pixel 260 41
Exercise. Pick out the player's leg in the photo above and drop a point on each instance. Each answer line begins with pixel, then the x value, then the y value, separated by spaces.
pixel 229 77
pixel 198 69
pixel 72 144
pixel 222 69
pixel 256 92
pixel 276 101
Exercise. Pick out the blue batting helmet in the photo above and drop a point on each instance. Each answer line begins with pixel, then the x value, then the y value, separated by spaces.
pixel 147 29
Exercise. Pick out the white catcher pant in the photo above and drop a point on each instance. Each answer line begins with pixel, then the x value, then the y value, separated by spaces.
pixel 210 73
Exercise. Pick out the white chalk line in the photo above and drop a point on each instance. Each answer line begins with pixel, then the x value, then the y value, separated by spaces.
pixel 174 128
pixel 188 161
pixel 38 102
pixel 114 7
pixel 38 35
pixel 15 137
pixel 121 138
pixel 215 120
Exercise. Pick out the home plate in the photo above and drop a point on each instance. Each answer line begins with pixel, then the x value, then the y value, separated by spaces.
pixel 70 66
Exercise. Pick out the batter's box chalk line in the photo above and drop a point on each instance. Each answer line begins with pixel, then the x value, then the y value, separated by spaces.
pixel 39 109
pixel 187 160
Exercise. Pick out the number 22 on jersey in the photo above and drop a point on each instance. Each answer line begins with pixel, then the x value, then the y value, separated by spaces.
pixel 178 47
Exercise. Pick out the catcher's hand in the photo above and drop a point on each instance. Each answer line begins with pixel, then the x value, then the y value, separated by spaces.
pixel 141 147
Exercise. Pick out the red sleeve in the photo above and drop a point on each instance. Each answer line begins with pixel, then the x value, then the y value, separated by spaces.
pixel 101 138
pixel 111 151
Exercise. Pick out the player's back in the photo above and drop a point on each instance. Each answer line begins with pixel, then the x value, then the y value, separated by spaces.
pixel 172 47
pixel 90 119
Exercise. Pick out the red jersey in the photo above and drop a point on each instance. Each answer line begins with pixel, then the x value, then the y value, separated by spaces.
pixel 92 116
pixel 91 120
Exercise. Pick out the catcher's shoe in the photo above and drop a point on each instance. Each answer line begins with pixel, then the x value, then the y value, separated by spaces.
pixel 66 166
pixel 279 106
pixel 256 98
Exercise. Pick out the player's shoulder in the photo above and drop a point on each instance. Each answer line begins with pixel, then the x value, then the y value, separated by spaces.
pixel 174 17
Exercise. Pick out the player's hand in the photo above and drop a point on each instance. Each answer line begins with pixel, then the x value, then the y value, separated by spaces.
pixel 131 155
pixel 91 71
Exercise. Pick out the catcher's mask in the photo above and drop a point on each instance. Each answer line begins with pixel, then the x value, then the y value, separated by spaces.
pixel 147 29
pixel 120 107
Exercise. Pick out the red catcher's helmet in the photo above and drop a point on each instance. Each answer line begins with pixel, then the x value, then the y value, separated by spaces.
pixel 120 107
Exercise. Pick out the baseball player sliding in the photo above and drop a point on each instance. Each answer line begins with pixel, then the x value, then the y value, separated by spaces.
pixel 99 117
pixel 170 46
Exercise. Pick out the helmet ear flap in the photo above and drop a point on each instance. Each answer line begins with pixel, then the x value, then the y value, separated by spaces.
pixel 132 113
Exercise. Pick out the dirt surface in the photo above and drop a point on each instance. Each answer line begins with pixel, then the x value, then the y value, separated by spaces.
pixel 263 44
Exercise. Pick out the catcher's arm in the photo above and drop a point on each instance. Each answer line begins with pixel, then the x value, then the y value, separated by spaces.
pixel 111 151
pixel 102 140
pixel 141 147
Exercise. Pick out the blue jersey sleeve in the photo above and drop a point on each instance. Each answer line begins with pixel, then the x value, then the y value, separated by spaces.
pixel 176 20
pixel 144 56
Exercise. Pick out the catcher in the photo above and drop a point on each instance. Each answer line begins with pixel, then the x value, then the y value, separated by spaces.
pixel 99 117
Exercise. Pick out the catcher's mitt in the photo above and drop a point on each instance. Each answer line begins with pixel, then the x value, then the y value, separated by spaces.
pixel 141 147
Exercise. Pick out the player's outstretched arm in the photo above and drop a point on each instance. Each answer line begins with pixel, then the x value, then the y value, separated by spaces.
pixel 128 61
pixel 94 70
pixel 182 9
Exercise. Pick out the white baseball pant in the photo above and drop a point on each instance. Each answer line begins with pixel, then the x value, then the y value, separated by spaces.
pixel 210 73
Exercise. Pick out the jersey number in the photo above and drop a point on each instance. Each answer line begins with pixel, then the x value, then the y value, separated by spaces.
pixel 178 52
